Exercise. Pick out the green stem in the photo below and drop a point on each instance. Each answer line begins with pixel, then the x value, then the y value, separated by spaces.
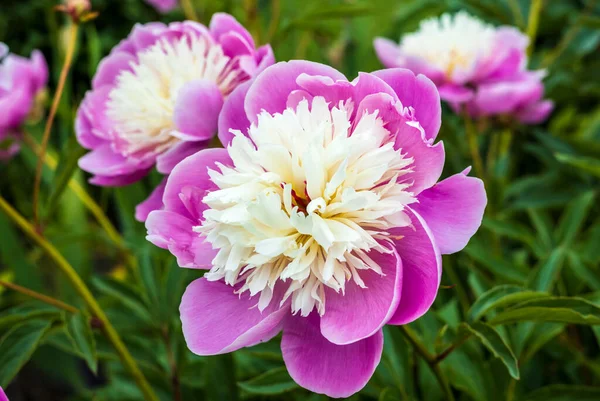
pixel 533 22
pixel 418 346
pixel 85 294
pixel 57 303
pixel 189 10
pixel 74 29
pixel 474 146
pixel 275 17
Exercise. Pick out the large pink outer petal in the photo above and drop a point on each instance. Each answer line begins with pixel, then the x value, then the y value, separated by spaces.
pixel 418 92
pixel 361 312
pixel 324 367
pixel 192 173
pixel 215 320
pixel 172 231
pixel 3 396
pixel 421 269
pixel 272 87
pixel 233 115
pixel 453 210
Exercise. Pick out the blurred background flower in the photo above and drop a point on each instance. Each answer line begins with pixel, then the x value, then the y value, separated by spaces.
pixel 476 66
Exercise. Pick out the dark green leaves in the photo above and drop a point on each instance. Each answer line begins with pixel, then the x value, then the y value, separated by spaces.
pixel 490 338
pixel 562 392
pixel 554 309
pixel 17 346
pixel 275 381
pixel 79 331
pixel 501 296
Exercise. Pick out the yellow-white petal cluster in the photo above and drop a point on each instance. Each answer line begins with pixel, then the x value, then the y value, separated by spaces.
pixel 142 103
pixel 452 43
pixel 310 194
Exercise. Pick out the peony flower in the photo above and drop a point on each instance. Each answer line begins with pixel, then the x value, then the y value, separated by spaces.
pixel 163 6
pixel 322 219
pixel 474 65
pixel 156 98
pixel 21 81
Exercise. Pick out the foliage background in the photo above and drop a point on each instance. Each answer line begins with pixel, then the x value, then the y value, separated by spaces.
pixel 541 233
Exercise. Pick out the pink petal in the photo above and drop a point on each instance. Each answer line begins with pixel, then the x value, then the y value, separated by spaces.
pixel 387 51
pixel 234 44
pixel 324 367
pixel 421 269
pixel 535 113
pixel 271 88
pixel 418 92
pixel 167 161
pixel 192 172
pixel 172 231
pixel 372 306
pixel 222 23
pixel 233 115
pixel 110 68
pixel 216 320
pixel 197 109
pixel 455 93
pixel 3 396
pixel 104 161
pixel 119 180
pixel 153 202
pixel 453 210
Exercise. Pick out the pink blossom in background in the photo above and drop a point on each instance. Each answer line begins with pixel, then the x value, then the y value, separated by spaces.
pixel 156 98
pixel 21 80
pixel 163 6
pixel 474 65
pixel 3 396
pixel 323 218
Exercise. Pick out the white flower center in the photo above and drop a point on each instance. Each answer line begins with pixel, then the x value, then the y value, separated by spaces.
pixel 308 196
pixel 450 42
pixel 142 103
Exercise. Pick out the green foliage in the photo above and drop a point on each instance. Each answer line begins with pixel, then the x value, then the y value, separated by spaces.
pixel 517 318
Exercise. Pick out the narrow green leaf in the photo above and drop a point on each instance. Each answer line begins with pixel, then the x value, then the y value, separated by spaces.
pixel 28 311
pixel 510 229
pixel 17 346
pixel 546 275
pixel 560 392
pixel 501 296
pixel 574 217
pixel 583 163
pixel 490 338
pixel 272 382
pixel 552 309
pixel 586 275
pixel 67 166
pixel 390 394
pixel 126 295
pixel 80 333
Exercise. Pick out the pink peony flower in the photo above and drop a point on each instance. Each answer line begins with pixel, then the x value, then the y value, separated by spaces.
pixel 156 98
pixel 163 6
pixel 21 80
pixel 321 218
pixel 473 64
pixel 3 396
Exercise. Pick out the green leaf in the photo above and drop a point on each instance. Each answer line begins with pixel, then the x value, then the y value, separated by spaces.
pixel 501 296
pixel 28 311
pixel 583 163
pixel 547 274
pixel 80 333
pixel 560 392
pixel 574 217
pixel 126 295
pixel 272 382
pixel 67 166
pixel 510 229
pixel 221 369
pixel 586 275
pixel 552 309
pixel 391 394
pixel 17 346
pixel 490 338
